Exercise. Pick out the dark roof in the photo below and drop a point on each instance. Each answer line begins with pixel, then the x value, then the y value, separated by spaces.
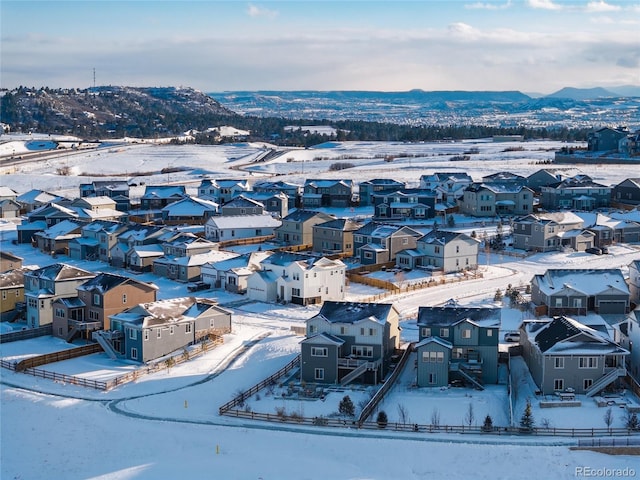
pixel 557 330
pixel 447 316
pixel 304 215
pixel 343 224
pixel 60 271
pixel 106 281
pixel 351 312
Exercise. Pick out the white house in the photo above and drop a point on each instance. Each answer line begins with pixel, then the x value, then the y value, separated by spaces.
pixel 298 278
pixel 233 227
pixel 232 274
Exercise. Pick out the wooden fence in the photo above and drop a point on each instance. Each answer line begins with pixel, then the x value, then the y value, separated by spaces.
pixel 239 400
pixel 26 334
pixel 59 356
pixel 245 241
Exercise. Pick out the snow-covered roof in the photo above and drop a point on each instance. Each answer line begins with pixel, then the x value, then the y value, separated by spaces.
pixel 243 221
pixel 588 281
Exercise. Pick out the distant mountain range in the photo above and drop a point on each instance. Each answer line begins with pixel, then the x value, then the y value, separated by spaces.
pixel 596 93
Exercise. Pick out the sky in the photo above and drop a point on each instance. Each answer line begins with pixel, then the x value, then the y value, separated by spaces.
pixel 535 46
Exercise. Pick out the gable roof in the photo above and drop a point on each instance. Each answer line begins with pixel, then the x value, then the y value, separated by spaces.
pixel 324 339
pixel 352 312
pixel 244 221
pixel 301 215
pixel 451 315
pixel 585 281
pixel 438 340
pixel 103 282
pixel 564 335
pixel 60 271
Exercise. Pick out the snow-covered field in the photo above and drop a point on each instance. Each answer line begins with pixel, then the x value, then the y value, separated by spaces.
pixel 166 424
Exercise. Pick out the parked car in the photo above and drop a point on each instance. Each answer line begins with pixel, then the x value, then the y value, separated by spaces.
pixel 512 337
pixel 594 251
pixel 605 250
pixel 194 287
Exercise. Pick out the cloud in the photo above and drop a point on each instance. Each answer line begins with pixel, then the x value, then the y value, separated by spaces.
pixel 256 11
pixel 601 6
pixel 488 6
pixel 544 4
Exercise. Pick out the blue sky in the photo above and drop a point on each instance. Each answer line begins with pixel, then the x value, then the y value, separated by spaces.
pixel 528 45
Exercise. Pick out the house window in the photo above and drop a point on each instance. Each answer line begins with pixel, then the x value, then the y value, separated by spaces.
pixel 437 250
pixel 171 329
pixel 343 330
pixel 318 374
pixel 444 332
pixel 319 351
pixel 372 332
pixel 489 333
pixel 134 353
pixel 433 378
pixel 558 302
pixel 466 333
pixel 558 362
pixel 577 303
pixel 558 384
pixel 4 295
pixel 146 335
pixel 362 351
pixel 124 298
pixel 368 255
pixel 426 332
pixel 458 353
pixel 295 292
pixel 133 334
pixel 159 333
pixel 588 362
pixel 313 329
pixel 96 299
pixel 457 249
pixel 586 383
pixel 187 328
pixel 59 312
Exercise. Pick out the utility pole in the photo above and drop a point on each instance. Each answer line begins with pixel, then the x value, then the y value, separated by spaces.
pixel 94 78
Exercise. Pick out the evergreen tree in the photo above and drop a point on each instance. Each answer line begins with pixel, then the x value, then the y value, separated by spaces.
pixel 347 407
pixel 526 421
pixel 487 426
pixel 498 296
pixel 382 419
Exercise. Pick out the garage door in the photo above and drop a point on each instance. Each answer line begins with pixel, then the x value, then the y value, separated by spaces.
pixel 612 307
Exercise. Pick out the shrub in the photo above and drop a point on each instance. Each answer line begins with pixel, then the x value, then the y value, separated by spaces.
pixel 340 166
pixel 487 426
pixel 382 419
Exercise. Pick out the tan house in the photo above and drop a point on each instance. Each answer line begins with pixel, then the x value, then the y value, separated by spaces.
pixel 297 227
pixel 9 261
pixel 335 236
pixel 98 298
pixel 11 292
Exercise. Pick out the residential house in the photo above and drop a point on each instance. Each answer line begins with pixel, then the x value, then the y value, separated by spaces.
pixel 34 199
pixel 505 177
pixel 9 209
pixel 545 177
pixel 605 139
pixel 297 227
pixel 7 193
pixel 634 282
pixel 9 261
pixel 565 355
pixel 545 232
pixel 56 239
pixel 156 197
pixel 439 250
pixel 404 204
pixel 291 190
pixel 448 186
pixel 151 330
pixel 578 291
pixel 187 268
pixel 221 191
pixel 12 292
pixel 349 341
pixel 630 145
pixel 113 189
pixel 242 205
pixel 233 273
pixel 236 227
pixel 276 203
pixel 576 193
pixel 495 199
pixel 189 211
pixel 96 241
pixel 137 235
pixel 140 258
pixel 457 343
pixel 335 236
pixel 379 243
pixel 377 185
pixel 47 284
pixel 609 230
pixel 327 193
pixel 97 299
pixel 297 278
pixel 627 192
pixel 630 337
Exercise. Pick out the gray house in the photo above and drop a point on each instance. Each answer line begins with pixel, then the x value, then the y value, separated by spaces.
pixel 438 250
pixel 565 355
pixel 348 341
pixel 545 232
pixel 369 187
pixel 457 343
pixel 151 330
pixel 627 192
pixel 379 243
pixel 634 281
pixel 576 292
pixel 491 199
pixel 576 193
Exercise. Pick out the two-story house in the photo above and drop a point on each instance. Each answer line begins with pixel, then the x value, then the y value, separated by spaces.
pixel 327 193
pixel 189 211
pixel 96 240
pixel 634 282
pixel 349 341
pixel 565 355
pixel 605 139
pixel 34 199
pixel 9 261
pixel 242 205
pixel 297 278
pixel 104 295
pixel 335 236
pixel 148 331
pixel 495 199
pixel 368 188
pixel 457 343
pixel 297 227
pixel 233 273
pixel 448 186
pixel 12 292
pixel 545 177
pixel 578 291
pixel 137 235
pixel 223 190
pixel 379 243
pixel 56 238
pixel 156 197
pixel 276 203
pixel 291 190
pixel 627 192
pixel 45 285
pixel 544 232
pixel 439 250
pixel 576 193
pixel 409 203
